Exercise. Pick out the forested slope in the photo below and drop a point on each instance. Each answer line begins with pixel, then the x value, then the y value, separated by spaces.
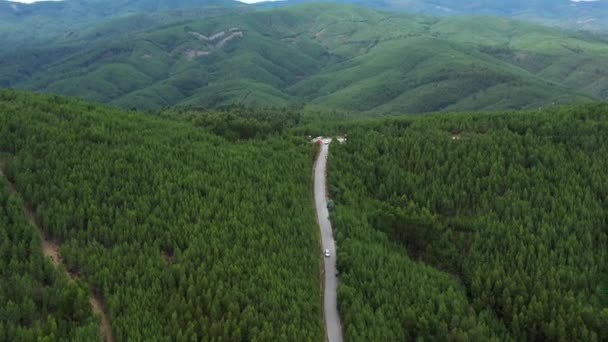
pixel 474 225
pixel 578 15
pixel 36 300
pixel 183 234
pixel 319 55
pixel 29 25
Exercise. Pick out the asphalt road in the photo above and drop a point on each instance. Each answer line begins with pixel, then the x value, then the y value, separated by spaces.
pixel 332 318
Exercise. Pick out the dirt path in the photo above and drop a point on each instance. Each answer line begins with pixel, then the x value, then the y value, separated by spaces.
pixel 51 250
pixel 106 328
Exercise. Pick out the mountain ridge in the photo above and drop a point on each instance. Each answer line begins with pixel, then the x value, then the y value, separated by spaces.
pixel 331 56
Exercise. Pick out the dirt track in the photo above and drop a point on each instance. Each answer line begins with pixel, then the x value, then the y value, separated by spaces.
pixel 51 250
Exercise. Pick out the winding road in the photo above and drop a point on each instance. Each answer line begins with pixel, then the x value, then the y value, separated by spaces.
pixel 332 318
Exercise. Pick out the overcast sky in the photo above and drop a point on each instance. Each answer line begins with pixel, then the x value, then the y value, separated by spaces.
pixel 245 1
pixel 30 1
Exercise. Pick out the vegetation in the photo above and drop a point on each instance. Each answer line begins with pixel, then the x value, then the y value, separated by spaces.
pixel 240 122
pixel 327 56
pixel 57 22
pixel 37 302
pixel 183 234
pixel 474 225
pixel 578 15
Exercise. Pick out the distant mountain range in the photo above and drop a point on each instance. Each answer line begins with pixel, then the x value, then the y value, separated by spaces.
pixel 23 25
pixel 579 15
pixel 322 55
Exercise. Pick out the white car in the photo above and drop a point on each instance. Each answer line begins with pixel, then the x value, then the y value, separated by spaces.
pixel 327 255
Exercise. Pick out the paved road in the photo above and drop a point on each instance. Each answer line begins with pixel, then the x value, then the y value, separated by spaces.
pixel 332 318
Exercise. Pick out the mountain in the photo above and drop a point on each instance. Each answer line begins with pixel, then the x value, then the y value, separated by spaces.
pixel 578 15
pixel 324 55
pixel 26 25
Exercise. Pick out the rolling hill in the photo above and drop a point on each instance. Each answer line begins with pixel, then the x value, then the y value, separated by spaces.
pixel 576 15
pixel 26 25
pixel 329 56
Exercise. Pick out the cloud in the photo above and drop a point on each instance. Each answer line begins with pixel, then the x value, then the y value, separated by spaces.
pixel 31 1
pixel 256 1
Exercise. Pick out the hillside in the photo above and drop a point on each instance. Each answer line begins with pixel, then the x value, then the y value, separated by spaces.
pixel 474 226
pixel 31 290
pixel 329 56
pixel 179 232
pixel 576 15
pixel 201 225
pixel 29 25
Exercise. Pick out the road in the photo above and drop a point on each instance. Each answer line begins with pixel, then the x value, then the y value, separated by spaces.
pixel 330 305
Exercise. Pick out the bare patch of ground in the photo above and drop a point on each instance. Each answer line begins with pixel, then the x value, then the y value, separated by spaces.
pixel 320 34
pixel 211 38
pixel 229 38
pixel 215 41
pixel 106 328
pixel 192 54
pixel 51 250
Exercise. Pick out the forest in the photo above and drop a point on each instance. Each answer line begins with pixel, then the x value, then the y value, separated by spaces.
pixel 184 234
pixel 191 224
pixel 328 56
pixel 238 122
pixel 474 226
pixel 37 302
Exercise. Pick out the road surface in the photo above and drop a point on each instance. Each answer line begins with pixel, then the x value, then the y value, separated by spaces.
pixel 332 318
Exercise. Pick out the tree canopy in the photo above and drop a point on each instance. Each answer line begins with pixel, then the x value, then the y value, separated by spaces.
pixel 183 234
pixel 474 225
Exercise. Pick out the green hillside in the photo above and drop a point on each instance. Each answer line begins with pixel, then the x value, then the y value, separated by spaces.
pixel 200 225
pixel 183 234
pixel 576 15
pixel 29 25
pixel 36 300
pixel 327 56
pixel 474 226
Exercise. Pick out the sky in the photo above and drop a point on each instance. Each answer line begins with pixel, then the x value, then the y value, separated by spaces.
pixel 245 1
pixel 31 1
